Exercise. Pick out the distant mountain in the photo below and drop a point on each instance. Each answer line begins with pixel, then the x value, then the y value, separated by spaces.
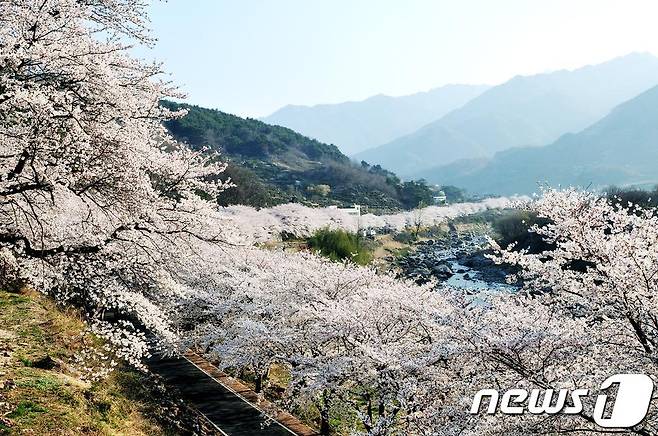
pixel 272 165
pixel 620 149
pixel 356 126
pixel 525 111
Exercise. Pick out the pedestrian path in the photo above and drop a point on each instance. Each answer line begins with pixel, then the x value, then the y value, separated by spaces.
pixel 228 404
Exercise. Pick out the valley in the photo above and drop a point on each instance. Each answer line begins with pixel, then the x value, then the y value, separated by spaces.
pixel 358 264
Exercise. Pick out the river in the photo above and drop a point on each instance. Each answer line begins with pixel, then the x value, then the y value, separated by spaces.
pixel 458 261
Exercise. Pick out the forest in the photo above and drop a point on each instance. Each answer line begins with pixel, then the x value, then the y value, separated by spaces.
pixel 274 165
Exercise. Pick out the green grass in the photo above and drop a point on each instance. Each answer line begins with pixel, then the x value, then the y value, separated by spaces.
pixel 12 299
pixel 45 384
pixel 340 245
pixel 57 401
pixel 25 410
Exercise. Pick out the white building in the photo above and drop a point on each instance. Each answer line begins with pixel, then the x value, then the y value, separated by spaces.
pixel 440 199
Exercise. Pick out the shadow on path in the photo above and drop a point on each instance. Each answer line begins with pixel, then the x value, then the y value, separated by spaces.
pixel 230 413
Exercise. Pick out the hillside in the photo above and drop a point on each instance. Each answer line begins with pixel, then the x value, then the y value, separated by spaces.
pixel 358 125
pixel 42 392
pixel 620 149
pixel 273 165
pixel 525 111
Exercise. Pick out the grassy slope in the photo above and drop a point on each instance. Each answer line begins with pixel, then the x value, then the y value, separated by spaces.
pixel 56 401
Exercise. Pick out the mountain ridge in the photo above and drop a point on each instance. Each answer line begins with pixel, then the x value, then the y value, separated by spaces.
pixel 356 125
pixel 620 149
pixel 524 111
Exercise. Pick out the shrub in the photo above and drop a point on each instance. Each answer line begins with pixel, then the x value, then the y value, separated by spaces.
pixel 340 245
pixel 404 237
pixel 621 197
pixel 513 228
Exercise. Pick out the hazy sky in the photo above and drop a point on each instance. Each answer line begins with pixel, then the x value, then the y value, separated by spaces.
pixel 251 57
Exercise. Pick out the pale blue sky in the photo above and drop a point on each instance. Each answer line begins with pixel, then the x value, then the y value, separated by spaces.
pixel 251 57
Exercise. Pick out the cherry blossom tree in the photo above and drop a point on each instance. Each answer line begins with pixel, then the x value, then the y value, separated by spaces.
pixel 267 224
pixel 587 310
pixel 95 197
pixel 102 209
pixel 355 343
pixel 584 313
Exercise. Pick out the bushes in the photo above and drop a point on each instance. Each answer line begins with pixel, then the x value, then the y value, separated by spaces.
pixel 454 194
pixel 621 197
pixel 340 245
pixel 405 237
pixel 513 228
pixel 413 193
pixel 249 189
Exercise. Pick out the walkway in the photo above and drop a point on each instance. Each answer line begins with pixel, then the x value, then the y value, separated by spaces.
pixel 228 404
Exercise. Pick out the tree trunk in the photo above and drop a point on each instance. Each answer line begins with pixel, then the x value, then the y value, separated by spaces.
pixel 324 423
pixel 325 429
pixel 259 383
